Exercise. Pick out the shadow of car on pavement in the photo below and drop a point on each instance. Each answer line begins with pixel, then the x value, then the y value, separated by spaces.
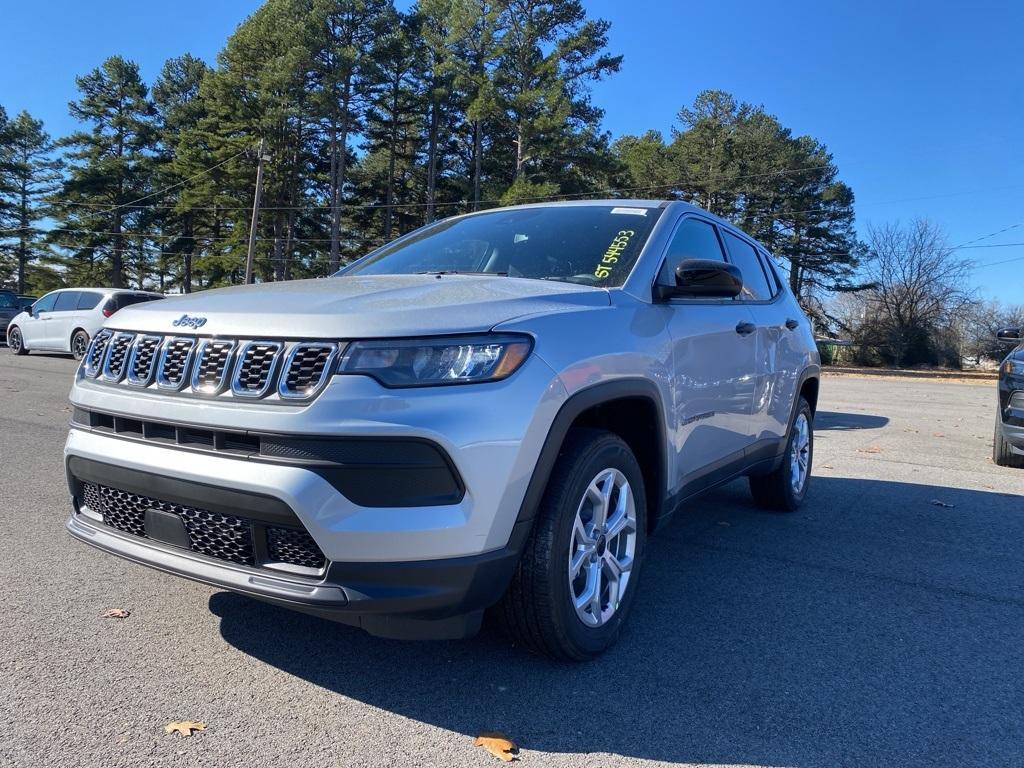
pixel 873 627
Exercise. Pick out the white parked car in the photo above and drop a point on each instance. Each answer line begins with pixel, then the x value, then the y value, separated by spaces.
pixel 65 320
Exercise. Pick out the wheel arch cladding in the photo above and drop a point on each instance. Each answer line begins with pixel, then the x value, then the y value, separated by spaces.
pixel 809 390
pixel 630 408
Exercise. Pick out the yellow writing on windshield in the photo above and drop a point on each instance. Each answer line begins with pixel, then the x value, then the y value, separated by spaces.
pixel 611 256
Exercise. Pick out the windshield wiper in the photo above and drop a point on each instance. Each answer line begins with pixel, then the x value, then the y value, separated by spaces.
pixel 458 272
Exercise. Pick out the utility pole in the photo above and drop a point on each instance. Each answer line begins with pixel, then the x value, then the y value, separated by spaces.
pixel 250 258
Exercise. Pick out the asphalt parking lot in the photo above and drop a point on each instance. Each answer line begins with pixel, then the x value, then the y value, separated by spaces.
pixel 882 625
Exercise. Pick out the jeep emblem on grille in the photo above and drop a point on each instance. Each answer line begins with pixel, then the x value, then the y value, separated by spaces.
pixel 189 322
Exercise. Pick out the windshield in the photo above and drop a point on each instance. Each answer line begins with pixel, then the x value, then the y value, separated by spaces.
pixel 588 244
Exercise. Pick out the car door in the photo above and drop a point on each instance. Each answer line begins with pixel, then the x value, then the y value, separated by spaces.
pixel 33 330
pixel 761 294
pixel 713 366
pixel 61 322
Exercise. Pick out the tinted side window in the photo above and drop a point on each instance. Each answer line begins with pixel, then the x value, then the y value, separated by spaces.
pixel 46 303
pixel 695 239
pixel 8 301
pixel 770 269
pixel 743 255
pixel 66 300
pixel 88 300
pixel 122 300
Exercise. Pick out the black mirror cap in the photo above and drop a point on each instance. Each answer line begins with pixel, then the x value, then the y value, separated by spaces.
pixel 703 279
pixel 1009 334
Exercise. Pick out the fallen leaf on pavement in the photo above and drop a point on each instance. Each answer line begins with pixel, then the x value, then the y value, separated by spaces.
pixel 943 504
pixel 870 449
pixel 184 727
pixel 937 434
pixel 498 744
pixel 117 613
pixel 827 466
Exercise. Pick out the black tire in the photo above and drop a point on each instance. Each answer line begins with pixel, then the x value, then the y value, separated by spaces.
pixel 15 341
pixel 776 490
pixel 79 344
pixel 1002 452
pixel 537 611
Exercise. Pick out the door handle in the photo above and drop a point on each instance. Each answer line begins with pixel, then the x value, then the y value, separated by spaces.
pixel 744 328
pixel 792 324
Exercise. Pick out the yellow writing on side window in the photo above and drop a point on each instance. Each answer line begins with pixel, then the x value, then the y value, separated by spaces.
pixel 611 256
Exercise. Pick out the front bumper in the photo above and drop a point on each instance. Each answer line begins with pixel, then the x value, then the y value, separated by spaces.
pixel 412 570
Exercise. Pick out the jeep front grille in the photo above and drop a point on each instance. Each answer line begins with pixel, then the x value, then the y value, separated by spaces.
pixel 257 362
pixel 306 368
pixel 175 357
pixel 213 534
pixel 97 353
pixel 291 372
pixel 142 360
pixel 211 369
pixel 117 356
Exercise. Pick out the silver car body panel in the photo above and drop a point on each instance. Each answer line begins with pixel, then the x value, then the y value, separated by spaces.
pixel 721 394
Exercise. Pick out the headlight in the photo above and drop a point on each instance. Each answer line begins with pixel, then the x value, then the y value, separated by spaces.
pixel 430 362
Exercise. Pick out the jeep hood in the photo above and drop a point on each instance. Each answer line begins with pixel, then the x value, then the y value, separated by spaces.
pixel 377 306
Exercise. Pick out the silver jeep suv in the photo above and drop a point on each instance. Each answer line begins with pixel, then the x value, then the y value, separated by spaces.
pixel 492 412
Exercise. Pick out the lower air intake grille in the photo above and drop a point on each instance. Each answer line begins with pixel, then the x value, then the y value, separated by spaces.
pixel 225 537
pixel 287 545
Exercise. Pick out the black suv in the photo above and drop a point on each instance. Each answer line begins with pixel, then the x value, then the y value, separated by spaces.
pixel 9 307
pixel 1008 449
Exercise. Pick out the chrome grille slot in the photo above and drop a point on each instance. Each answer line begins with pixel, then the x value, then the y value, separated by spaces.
pixel 175 356
pixel 212 366
pixel 96 353
pixel 117 356
pixel 254 371
pixel 142 360
pixel 306 369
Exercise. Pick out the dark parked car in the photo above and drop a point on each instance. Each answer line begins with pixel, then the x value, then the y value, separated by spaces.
pixel 9 307
pixel 1008 449
pixel 27 301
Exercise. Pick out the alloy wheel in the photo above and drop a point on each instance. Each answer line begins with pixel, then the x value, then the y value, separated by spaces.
pixel 602 547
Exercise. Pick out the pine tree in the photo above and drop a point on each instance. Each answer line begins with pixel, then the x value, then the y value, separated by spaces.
pixel 108 170
pixel 178 110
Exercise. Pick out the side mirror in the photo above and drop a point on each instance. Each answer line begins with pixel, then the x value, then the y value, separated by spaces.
pixel 703 279
pixel 1009 334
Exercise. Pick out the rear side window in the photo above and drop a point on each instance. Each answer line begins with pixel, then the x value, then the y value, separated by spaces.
pixel 695 239
pixel 89 300
pixel 68 300
pixel 770 269
pixel 744 256
pixel 122 300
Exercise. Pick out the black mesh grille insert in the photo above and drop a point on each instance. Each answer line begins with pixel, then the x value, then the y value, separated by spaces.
pixel 175 359
pixel 212 366
pixel 307 368
pixel 257 365
pixel 97 351
pixel 145 356
pixel 225 537
pixel 118 355
pixel 288 545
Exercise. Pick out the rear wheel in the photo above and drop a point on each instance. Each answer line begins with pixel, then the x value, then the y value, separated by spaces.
pixel 1002 452
pixel 576 580
pixel 784 489
pixel 16 342
pixel 79 344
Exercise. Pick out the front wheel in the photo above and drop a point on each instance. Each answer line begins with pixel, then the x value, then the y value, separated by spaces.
pixel 784 489
pixel 79 344
pixel 575 583
pixel 1003 454
pixel 16 342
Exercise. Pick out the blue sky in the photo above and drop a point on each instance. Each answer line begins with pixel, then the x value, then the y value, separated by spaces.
pixel 921 103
